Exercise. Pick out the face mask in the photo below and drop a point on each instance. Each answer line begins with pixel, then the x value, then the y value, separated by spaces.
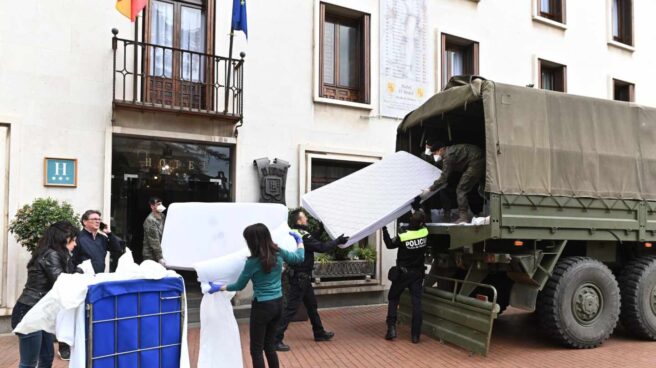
pixel 160 208
pixel 428 152
pixel 437 158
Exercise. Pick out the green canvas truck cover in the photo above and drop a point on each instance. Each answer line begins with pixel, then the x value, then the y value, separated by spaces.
pixel 542 142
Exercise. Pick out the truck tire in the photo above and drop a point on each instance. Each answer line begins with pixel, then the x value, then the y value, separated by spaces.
pixel 638 288
pixel 580 304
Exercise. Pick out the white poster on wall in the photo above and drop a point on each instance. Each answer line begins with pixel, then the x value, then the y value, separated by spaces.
pixel 403 56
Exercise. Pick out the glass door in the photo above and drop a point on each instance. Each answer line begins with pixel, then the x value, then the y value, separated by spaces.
pixel 173 171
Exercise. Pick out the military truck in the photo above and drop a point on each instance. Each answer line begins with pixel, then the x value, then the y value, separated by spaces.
pixel 570 191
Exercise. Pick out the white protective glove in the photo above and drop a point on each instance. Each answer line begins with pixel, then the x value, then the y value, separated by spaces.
pixel 162 262
pixel 425 193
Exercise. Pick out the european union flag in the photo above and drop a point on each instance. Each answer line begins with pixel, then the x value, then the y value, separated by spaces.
pixel 239 16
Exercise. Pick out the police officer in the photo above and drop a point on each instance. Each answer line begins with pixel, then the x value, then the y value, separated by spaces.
pixel 300 282
pixel 408 272
pixel 467 159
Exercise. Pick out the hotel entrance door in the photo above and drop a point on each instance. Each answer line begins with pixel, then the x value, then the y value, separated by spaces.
pixel 172 171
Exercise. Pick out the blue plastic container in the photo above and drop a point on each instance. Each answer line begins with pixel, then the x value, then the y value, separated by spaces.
pixel 135 323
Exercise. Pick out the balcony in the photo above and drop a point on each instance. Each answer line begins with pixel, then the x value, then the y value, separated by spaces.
pixel 166 79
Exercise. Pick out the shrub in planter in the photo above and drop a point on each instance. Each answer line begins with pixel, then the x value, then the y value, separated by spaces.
pixel 33 219
pixel 363 254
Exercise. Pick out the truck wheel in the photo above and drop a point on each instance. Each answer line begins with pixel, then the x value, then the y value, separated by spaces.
pixel 580 304
pixel 638 286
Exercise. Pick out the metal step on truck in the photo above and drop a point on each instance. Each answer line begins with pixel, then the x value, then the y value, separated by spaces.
pixel 570 191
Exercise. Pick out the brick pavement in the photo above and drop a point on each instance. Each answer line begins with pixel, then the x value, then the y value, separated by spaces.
pixel 359 343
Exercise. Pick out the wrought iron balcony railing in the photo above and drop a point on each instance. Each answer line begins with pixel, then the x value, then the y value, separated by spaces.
pixel 148 76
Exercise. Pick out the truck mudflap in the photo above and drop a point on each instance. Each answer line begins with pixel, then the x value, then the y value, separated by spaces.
pixel 461 320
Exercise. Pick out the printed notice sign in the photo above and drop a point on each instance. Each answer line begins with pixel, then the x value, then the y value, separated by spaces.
pixel 59 172
pixel 403 56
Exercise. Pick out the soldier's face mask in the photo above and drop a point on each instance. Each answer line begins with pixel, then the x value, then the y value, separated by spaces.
pixel 160 208
pixel 428 152
pixel 437 158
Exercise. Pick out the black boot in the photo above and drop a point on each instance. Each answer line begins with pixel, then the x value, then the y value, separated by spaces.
pixel 281 346
pixel 415 339
pixel 391 332
pixel 323 335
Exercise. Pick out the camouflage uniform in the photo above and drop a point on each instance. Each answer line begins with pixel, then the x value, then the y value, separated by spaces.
pixel 152 241
pixel 469 160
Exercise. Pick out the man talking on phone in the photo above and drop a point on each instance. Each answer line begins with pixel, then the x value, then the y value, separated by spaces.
pixel 94 242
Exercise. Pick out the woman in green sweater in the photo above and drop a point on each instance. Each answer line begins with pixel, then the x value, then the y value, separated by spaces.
pixel 264 267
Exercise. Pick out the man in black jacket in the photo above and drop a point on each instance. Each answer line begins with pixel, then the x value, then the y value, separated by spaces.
pixel 300 282
pixel 408 272
pixel 94 243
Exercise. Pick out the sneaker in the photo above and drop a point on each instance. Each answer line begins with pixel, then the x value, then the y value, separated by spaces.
pixel 281 346
pixel 64 351
pixel 324 336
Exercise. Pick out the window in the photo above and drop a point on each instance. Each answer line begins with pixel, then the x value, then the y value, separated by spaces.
pixel 622 19
pixel 344 54
pixel 176 64
pixel 553 76
pixel 623 91
pixel 459 57
pixel 552 9
pixel 327 171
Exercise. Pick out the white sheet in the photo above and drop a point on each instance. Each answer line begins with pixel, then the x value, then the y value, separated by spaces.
pixel 363 202
pixel 195 232
pixel 220 345
pixel 61 310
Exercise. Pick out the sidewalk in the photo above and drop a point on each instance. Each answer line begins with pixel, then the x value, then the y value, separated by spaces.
pixel 359 342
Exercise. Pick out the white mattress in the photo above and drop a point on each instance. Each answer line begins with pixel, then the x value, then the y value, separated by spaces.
pixel 196 232
pixel 363 202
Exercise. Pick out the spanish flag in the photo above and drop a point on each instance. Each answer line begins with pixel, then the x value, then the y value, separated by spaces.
pixel 130 8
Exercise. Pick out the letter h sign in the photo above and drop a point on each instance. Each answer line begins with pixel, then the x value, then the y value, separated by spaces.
pixel 59 172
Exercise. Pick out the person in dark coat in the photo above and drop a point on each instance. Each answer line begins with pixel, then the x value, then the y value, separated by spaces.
pixel 467 159
pixel 412 244
pixel 300 282
pixel 51 258
pixel 94 242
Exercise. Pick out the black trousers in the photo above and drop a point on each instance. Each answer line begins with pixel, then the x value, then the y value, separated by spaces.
pixel 265 317
pixel 412 280
pixel 300 291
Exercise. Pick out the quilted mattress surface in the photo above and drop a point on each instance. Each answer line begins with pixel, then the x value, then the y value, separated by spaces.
pixel 363 202
pixel 196 232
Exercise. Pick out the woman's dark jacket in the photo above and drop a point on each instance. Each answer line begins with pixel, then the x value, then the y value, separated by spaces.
pixel 42 273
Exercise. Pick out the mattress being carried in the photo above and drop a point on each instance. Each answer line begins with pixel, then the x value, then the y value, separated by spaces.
pixel 196 232
pixel 363 202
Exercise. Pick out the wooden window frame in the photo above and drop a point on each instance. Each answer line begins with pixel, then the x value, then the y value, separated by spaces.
pixel 560 82
pixel 208 8
pixel 617 83
pixel 557 5
pixel 624 22
pixel 470 49
pixel 363 22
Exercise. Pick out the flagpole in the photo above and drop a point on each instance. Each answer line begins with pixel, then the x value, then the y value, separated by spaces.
pixel 229 65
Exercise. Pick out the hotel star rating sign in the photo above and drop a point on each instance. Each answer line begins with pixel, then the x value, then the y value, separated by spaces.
pixel 59 172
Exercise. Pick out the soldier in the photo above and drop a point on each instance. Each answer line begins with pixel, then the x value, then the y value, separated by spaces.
pixel 445 198
pixel 408 272
pixel 465 158
pixel 300 282
pixel 153 227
